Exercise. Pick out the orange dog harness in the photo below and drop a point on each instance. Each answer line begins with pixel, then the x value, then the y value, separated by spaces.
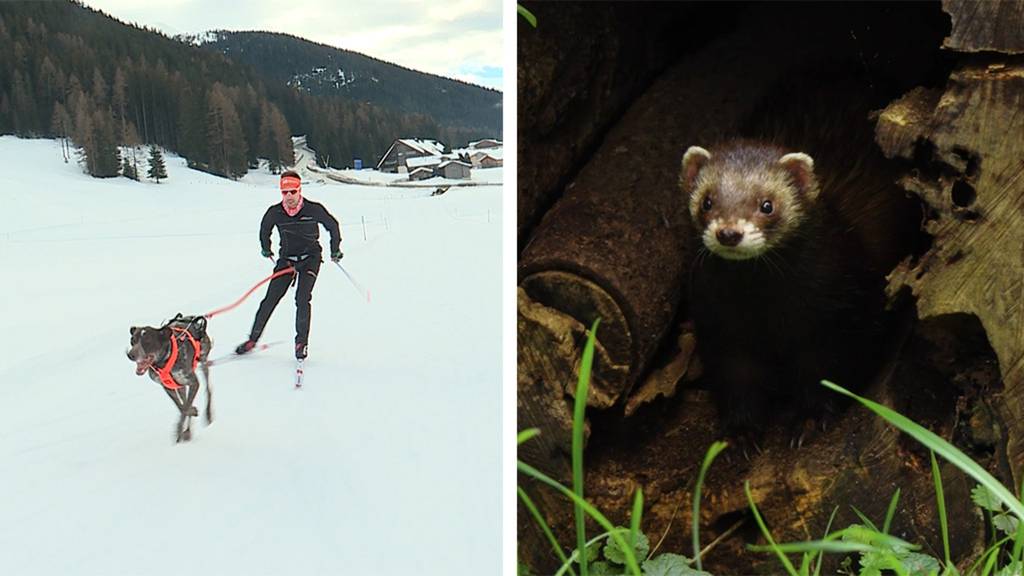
pixel 165 373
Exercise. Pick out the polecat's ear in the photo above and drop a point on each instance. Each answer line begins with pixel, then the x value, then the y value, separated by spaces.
pixel 800 168
pixel 693 160
pixel 132 330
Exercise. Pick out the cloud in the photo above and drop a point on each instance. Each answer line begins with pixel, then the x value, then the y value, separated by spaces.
pixel 455 39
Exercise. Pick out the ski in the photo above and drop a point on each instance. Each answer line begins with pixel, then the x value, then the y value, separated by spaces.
pixel 298 374
pixel 235 356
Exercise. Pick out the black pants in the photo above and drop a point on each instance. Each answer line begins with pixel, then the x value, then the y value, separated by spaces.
pixel 306 271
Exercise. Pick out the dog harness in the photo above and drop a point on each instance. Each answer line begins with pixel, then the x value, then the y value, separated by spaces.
pixel 165 373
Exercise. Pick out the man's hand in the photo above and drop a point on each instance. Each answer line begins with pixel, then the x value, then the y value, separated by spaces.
pixel 267 254
pixel 336 256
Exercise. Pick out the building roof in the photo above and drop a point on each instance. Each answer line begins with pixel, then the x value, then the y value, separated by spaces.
pixel 422 161
pixel 424 146
pixel 460 162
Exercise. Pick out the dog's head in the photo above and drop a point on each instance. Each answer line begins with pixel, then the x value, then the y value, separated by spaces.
pixel 147 345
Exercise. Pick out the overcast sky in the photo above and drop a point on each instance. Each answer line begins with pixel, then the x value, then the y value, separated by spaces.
pixel 459 39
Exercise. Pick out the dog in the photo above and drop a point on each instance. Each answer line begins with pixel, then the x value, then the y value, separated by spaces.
pixel 170 354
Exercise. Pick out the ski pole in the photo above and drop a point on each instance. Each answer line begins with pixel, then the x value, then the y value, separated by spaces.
pixel 359 288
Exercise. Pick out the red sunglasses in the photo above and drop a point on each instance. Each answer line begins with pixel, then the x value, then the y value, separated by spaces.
pixel 287 192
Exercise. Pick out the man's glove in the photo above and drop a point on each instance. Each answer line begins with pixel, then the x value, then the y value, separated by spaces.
pixel 335 256
pixel 267 254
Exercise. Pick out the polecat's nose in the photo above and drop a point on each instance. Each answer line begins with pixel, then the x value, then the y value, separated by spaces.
pixel 729 236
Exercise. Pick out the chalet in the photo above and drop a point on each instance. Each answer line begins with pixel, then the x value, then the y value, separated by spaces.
pixel 485 160
pixel 421 173
pixel 454 169
pixel 404 149
pixel 485 143
pixel 423 162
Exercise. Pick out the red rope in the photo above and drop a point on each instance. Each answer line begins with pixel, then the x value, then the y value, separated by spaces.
pixel 281 272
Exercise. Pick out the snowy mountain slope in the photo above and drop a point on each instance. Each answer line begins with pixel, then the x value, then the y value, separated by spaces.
pixel 394 441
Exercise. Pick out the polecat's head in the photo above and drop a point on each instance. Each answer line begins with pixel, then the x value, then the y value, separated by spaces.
pixel 746 199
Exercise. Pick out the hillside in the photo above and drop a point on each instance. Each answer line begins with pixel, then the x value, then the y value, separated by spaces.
pixel 69 71
pixel 326 71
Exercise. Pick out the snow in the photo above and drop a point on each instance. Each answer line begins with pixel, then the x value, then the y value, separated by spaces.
pixel 386 462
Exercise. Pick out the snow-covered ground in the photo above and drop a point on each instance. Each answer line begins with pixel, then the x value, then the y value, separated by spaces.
pixel 386 462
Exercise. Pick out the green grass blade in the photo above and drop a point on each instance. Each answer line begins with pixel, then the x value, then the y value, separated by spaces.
pixel 527 15
pixel 544 527
pixel 944 449
pixel 829 546
pixel 764 530
pixel 941 501
pixel 634 518
pixel 594 513
pixel 890 512
pixel 863 518
pixel 828 526
pixel 709 457
pixel 805 564
pixel 1018 544
pixel 579 412
pixel 526 435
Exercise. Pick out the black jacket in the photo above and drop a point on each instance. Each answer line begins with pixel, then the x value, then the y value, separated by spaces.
pixel 300 234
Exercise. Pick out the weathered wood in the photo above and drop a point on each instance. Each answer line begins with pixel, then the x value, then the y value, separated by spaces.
pixel 573 85
pixel 986 25
pixel 971 142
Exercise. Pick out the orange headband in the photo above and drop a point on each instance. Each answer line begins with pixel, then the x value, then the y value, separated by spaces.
pixel 291 183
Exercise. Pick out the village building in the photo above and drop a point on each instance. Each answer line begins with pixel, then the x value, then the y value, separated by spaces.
pixel 454 169
pixel 421 174
pixel 395 159
pixel 485 143
pixel 485 160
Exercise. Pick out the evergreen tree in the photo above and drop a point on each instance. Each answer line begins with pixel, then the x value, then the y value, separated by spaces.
pixel 157 169
pixel 108 158
pixel 128 170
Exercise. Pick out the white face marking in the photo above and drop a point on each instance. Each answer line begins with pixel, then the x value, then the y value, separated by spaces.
pixel 751 246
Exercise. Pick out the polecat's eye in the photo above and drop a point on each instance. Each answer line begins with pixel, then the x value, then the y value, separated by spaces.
pixel 766 207
pixel 706 204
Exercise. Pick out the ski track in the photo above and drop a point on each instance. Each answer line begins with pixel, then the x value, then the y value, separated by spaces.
pixel 387 461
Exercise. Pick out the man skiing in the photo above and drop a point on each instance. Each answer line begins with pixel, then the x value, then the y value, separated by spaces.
pixel 298 227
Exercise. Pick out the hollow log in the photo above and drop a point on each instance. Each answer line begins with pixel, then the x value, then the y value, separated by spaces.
pixel 985 26
pixel 574 84
pixel 967 145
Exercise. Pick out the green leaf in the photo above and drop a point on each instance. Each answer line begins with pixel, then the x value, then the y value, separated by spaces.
pixel 614 553
pixel 579 413
pixel 543 526
pixel 634 518
pixel 526 435
pixel 605 569
pixel 985 499
pixel 1006 523
pixel 527 15
pixel 918 564
pixel 890 512
pixel 671 565
pixel 713 451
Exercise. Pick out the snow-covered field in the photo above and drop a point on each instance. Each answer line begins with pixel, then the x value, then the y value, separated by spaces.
pixel 387 462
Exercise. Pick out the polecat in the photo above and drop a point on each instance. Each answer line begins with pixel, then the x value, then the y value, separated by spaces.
pixel 779 288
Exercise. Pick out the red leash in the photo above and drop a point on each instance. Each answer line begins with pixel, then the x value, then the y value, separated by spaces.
pixel 281 272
